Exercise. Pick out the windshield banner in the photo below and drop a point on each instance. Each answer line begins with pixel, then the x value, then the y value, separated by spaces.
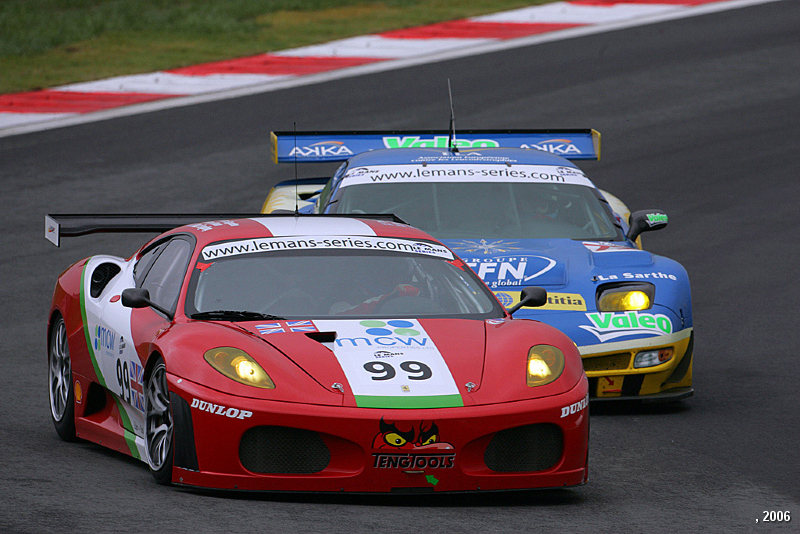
pixel 545 174
pixel 283 244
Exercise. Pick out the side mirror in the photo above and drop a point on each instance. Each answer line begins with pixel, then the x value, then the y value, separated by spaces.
pixel 646 221
pixel 138 297
pixel 532 297
pixel 135 297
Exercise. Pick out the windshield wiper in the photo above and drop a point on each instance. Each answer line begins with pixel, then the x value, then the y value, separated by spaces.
pixel 235 315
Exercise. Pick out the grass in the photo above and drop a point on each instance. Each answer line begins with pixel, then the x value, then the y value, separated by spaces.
pixel 44 43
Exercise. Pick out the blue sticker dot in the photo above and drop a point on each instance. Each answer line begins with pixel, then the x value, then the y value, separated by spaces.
pixel 400 324
pixel 378 332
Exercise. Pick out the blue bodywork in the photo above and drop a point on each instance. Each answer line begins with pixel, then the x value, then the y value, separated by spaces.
pixel 572 272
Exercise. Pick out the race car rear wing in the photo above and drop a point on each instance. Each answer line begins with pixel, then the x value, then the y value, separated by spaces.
pixel 57 226
pixel 307 147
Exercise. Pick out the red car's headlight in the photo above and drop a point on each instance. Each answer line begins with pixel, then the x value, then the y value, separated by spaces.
pixel 545 364
pixel 237 365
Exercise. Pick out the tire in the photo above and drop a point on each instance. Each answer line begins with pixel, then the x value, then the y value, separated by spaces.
pixel 159 426
pixel 60 387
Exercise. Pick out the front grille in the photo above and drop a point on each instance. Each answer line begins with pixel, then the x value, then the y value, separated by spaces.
pixel 612 362
pixel 525 448
pixel 283 450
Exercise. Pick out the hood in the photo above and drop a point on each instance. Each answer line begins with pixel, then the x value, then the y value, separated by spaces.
pixel 511 264
pixel 384 363
pixel 572 271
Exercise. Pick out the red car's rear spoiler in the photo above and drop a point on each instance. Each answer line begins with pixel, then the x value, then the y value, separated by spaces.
pixel 57 226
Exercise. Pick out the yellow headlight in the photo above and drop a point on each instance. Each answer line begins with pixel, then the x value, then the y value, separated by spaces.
pixel 237 365
pixel 545 364
pixel 624 300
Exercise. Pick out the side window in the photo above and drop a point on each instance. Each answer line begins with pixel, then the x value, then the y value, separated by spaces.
pixel 142 266
pixel 166 274
pixel 325 195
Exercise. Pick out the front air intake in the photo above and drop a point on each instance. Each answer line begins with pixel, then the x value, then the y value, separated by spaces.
pixel 525 448
pixel 283 450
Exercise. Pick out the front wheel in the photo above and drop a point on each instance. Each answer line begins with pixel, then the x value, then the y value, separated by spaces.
pixel 158 424
pixel 62 393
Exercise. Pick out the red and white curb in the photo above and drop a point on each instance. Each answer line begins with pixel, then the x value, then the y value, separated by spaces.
pixel 139 93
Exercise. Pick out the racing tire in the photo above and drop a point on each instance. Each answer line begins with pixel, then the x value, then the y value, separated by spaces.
pixel 61 389
pixel 159 425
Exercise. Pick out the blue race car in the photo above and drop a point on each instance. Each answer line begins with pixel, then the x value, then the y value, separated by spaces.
pixel 517 210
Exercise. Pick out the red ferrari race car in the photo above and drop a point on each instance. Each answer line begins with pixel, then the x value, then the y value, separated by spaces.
pixel 323 353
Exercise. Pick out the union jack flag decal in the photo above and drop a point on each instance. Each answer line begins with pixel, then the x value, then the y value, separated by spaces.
pixel 286 326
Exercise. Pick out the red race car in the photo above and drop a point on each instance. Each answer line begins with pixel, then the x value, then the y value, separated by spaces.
pixel 321 353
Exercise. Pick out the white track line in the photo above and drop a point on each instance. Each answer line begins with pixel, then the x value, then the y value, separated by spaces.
pixel 58 120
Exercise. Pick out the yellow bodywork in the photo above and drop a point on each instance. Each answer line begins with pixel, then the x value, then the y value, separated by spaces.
pixel 611 363
pixel 289 197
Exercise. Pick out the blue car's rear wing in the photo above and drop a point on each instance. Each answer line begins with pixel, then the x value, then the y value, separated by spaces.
pixel 306 147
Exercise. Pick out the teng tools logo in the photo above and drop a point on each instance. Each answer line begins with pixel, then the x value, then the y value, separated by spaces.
pixel 411 446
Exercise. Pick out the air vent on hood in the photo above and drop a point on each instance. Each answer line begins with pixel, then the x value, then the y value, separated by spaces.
pixel 322 337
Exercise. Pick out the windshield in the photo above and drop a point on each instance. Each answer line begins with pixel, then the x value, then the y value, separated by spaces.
pixel 336 284
pixel 492 210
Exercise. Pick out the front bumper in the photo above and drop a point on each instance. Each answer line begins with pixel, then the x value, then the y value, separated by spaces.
pixel 260 445
pixel 611 374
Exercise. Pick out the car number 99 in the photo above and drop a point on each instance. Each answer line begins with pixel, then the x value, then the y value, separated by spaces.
pixel 386 371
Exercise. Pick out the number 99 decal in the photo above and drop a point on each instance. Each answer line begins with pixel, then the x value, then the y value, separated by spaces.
pixel 386 371
pixel 123 380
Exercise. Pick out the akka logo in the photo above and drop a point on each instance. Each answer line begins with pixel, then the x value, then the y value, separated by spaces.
pixel 556 146
pixel 395 332
pixel 409 445
pixel 607 326
pixel 322 149
pixel 438 141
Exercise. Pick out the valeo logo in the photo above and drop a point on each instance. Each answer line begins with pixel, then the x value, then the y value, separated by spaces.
pixel 438 141
pixel 387 328
pixel 657 218
pixel 607 325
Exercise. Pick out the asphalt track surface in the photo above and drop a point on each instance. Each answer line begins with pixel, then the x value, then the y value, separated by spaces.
pixel 699 117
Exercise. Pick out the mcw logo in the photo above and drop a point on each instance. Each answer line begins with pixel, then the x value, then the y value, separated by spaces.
pixel 396 332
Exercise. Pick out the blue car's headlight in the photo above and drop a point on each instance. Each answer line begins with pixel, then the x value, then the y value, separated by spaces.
pixel 625 297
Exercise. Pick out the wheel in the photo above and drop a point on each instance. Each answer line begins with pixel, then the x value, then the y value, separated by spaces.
pixel 158 424
pixel 62 394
